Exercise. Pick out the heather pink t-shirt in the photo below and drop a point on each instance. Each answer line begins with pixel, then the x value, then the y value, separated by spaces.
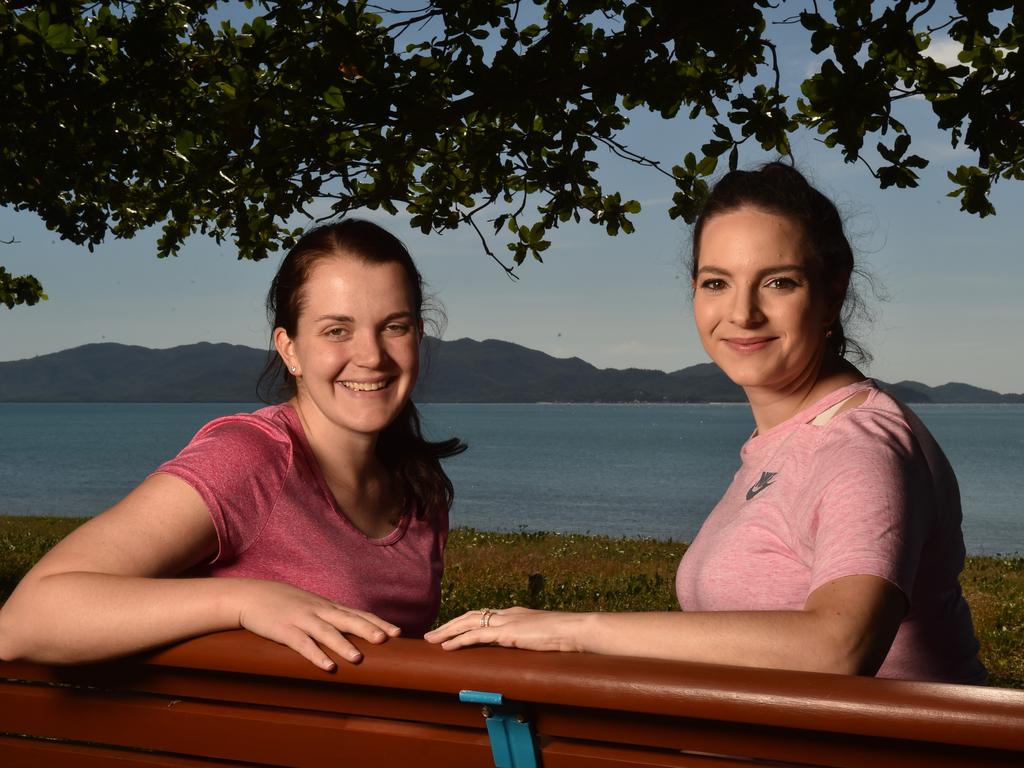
pixel 276 519
pixel 870 492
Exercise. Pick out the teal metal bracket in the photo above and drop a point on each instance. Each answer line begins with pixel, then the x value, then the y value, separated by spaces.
pixel 509 731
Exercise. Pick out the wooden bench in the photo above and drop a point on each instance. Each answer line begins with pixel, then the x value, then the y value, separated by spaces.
pixel 233 698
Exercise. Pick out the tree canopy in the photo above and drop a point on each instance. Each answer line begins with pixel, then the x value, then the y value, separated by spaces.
pixel 491 114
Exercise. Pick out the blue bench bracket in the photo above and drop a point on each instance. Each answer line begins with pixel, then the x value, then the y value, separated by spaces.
pixel 508 729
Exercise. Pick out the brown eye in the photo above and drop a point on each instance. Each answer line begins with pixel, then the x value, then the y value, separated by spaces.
pixel 714 284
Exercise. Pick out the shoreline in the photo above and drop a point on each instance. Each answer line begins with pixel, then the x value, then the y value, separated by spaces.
pixel 523 531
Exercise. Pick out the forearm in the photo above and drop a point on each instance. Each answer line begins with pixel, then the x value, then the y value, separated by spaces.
pixel 82 617
pixel 798 640
pixel 846 626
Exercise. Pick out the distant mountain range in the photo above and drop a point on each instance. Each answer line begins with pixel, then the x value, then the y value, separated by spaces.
pixel 461 371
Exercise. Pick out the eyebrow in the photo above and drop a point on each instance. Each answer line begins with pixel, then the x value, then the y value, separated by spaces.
pixel 350 319
pixel 767 271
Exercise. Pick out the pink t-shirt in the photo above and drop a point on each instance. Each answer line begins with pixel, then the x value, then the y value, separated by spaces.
pixel 870 492
pixel 276 519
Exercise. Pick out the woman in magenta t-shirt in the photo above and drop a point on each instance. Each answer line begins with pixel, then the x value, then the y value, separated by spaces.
pixel 325 514
pixel 837 547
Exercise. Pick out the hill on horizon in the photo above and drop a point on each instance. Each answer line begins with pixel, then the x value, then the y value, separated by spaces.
pixel 463 370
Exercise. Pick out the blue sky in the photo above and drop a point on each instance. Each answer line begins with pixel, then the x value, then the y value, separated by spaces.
pixel 952 282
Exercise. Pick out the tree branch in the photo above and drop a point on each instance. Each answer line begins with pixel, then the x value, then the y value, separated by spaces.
pixel 919 14
pixel 621 150
pixel 468 218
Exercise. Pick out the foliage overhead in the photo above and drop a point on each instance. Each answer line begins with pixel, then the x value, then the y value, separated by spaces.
pixel 118 116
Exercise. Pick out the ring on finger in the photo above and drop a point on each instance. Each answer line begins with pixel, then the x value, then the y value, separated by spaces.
pixel 485 618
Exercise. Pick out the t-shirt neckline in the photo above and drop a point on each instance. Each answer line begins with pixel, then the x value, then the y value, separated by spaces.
pixel 808 414
pixel 295 425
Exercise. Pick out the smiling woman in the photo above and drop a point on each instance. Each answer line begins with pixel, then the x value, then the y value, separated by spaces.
pixel 755 310
pixel 327 513
pixel 358 369
pixel 837 547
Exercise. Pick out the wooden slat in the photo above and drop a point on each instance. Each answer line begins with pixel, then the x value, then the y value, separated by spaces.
pixel 950 714
pixel 584 755
pixel 749 744
pixel 404 695
pixel 28 753
pixel 227 731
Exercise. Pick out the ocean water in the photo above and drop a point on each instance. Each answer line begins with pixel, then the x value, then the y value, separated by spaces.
pixel 635 470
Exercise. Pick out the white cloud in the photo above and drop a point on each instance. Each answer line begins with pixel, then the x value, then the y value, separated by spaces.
pixel 944 50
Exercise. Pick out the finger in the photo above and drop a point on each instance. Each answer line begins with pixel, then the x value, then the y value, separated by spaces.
pixel 441 634
pixel 464 623
pixel 446 629
pixel 472 637
pixel 303 644
pixel 327 636
pixel 355 623
pixel 392 630
pixel 459 621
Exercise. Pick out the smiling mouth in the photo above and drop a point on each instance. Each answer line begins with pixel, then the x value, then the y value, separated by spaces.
pixel 749 344
pixel 365 386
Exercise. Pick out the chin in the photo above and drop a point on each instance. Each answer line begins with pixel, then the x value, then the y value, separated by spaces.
pixel 751 379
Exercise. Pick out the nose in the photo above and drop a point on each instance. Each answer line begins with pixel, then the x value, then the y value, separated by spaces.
pixel 368 350
pixel 746 310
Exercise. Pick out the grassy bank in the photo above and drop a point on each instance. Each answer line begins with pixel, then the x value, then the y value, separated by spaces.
pixel 577 573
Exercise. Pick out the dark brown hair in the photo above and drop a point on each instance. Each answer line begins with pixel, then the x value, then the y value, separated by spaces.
pixel 781 189
pixel 401 447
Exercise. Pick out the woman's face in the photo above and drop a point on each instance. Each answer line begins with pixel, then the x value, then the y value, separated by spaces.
pixel 760 312
pixel 355 353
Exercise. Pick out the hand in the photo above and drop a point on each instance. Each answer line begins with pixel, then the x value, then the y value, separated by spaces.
pixel 513 628
pixel 304 621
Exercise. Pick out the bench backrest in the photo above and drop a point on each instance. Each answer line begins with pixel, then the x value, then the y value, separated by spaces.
pixel 235 698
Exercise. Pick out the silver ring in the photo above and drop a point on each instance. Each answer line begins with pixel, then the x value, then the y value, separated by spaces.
pixel 485 618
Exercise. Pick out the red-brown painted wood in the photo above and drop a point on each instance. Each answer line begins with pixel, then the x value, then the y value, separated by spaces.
pixel 236 697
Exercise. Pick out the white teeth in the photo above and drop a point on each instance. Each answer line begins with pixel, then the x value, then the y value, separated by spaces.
pixel 367 386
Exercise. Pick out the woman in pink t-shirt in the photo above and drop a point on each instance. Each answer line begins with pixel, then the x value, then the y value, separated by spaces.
pixel 837 547
pixel 326 514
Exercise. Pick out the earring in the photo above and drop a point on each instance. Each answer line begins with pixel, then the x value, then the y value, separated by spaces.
pixel 828 335
pixel 292 369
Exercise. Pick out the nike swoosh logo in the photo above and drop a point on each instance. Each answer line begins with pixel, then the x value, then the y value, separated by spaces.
pixel 760 485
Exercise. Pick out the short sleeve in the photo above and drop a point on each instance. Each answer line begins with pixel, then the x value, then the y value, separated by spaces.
pixel 238 465
pixel 870 512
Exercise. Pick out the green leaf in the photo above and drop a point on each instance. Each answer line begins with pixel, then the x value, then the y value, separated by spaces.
pixel 134 115
pixel 334 97
pixel 23 289
pixel 707 166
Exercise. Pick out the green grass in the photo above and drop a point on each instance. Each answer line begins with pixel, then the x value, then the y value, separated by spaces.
pixel 581 573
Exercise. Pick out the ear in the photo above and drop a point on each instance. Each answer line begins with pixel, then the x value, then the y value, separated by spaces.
pixel 286 349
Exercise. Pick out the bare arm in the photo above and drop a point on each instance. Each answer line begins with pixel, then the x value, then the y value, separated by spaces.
pixel 846 626
pixel 106 590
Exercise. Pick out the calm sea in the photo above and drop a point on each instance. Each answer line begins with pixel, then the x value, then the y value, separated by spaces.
pixel 636 470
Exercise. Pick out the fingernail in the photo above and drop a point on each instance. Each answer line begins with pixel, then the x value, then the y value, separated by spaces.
pixel 355 655
pixel 328 664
